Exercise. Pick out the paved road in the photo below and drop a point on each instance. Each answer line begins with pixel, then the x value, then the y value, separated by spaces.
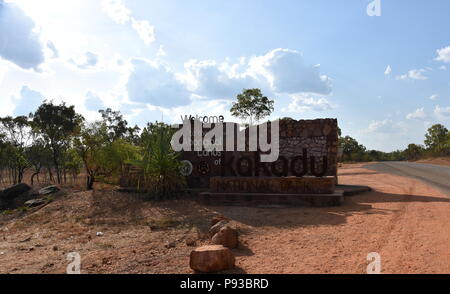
pixel 433 175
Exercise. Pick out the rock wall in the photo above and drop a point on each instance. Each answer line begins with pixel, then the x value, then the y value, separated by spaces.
pixel 317 139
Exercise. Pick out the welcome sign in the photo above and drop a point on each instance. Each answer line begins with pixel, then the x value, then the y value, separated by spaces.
pixel 306 148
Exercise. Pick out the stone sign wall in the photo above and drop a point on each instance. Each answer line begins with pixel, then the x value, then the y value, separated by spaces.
pixel 307 148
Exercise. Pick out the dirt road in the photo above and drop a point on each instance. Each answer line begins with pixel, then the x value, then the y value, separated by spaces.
pixel 404 220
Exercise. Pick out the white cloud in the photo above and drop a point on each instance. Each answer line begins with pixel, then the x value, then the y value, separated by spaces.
pixel 303 103
pixel 93 102
pixel 161 52
pixel 434 97
pixel 442 113
pixel 145 31
pixel 87 60
pixel 443 54
pixel 154 83
pixel 443 67
pixel 19 41
pixel 53 50
pixel 386 126
pixel 120 14
pixel 217 80
pixel 28 101
pixel 388 70
pixel 279 72
pixel 287 72
pixel 418 114
pixel 117 11
pixel 414 74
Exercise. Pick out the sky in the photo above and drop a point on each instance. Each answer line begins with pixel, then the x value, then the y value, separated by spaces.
pixel 382 67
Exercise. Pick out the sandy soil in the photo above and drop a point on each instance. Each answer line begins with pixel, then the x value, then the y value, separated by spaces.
pixel 403 220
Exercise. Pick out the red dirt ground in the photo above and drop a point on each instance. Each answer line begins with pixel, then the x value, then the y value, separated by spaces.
pixel 405 221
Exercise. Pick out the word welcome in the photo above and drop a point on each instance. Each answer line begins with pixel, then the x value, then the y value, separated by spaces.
pixel 205 119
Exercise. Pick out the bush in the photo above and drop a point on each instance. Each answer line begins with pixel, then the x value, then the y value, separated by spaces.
pixel 160 165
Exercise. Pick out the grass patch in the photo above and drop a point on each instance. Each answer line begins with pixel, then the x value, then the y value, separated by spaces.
pixel 163 223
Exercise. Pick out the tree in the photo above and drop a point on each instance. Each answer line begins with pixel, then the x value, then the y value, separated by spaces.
pixel 16 134
pixel 253 105
pixel 414 152
pixel 118 127
pixel 102 157
pixel 437 139
pixel 57 125
pixel 351 149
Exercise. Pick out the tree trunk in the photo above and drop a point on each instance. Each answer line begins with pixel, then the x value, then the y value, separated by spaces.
pixel 90 182
pixel 34 175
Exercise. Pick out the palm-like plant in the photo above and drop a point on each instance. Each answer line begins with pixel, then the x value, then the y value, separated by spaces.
pixel 159 163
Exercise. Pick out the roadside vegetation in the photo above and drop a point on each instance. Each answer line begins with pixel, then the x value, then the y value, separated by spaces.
pixel 56 144
pixel 436 144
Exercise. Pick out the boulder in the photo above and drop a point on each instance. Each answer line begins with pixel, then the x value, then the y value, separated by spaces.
pixel 9 195
pixel 227 237
pixel 211 258
pixel 48 190
pixel 215 228
pixel 34 202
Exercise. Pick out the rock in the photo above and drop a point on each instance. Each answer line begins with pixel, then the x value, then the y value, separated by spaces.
pixel 48 190
pixel 218 218
pixel 227 237
pixel 191 241
pixel 211 258
pixel 55 248
pixel 8 195
pixel 99 234
pixel 214 229
pixel 34 202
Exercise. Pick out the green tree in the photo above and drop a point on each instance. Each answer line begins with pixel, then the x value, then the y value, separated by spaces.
pixel 351 149
pixel 252 105
pixel 437 140
pixel 414 152
pixel 102 158
pixel 57 125
pixel 118 127
pixel 16 133
pixel 159 162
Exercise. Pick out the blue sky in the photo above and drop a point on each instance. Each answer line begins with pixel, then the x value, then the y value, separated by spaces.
pixel 386 78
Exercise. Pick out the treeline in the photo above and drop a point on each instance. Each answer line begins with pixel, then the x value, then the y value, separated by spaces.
pixel 57 143
pixel 436 143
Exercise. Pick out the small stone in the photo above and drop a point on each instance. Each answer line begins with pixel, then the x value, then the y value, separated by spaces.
pixel 227 237
pixel 99 234
pixel 55 248
pixel 191 241
pixel 214 229
pixel 218 218
pixel 34 202
pixel 48 190
pixel 211 258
